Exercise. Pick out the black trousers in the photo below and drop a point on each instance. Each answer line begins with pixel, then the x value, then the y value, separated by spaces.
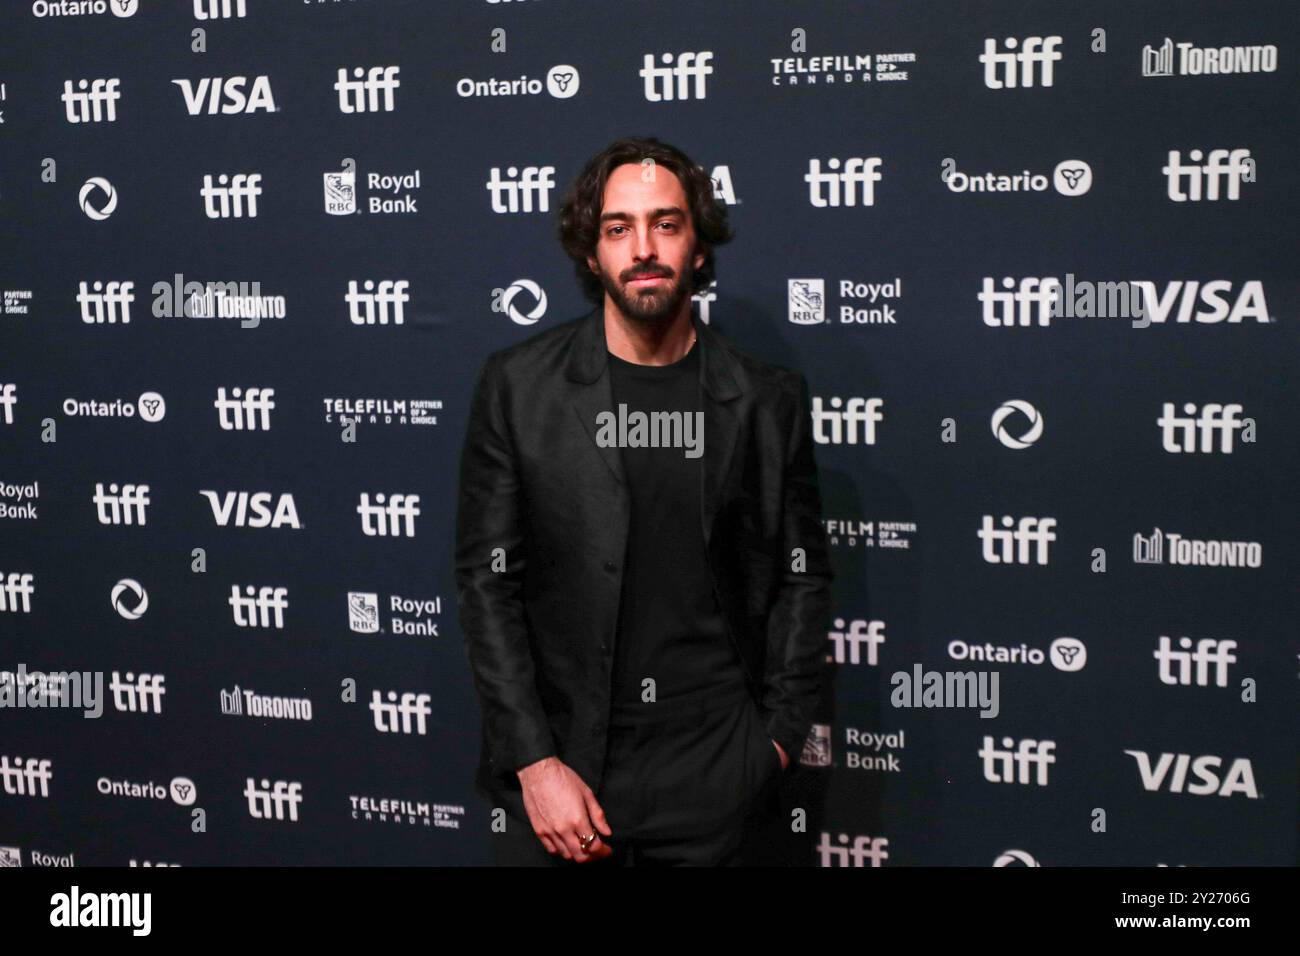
pixel 686 783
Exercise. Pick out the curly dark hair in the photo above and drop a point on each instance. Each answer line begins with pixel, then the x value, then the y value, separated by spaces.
pixel 581 208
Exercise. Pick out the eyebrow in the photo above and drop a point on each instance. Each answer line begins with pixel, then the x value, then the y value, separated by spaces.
pixel 654 214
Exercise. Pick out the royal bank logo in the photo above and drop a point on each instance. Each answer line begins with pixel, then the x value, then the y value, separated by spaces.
pixel 806 301
pixel 817 747
pixel 341 193
pixel 387 194
pixel 363 612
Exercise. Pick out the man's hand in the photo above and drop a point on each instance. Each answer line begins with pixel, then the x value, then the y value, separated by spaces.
pixel 563 810
pixel 785 761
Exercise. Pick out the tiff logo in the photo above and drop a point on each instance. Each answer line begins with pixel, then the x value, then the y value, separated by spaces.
pixel 840 188
pixel 16 591
pixel 1202 182
pixel 1030 301
pixel 1176 666
pixel 998 542
pixel 852 854
pixel 105 302
pixel 362 95
pixel 1012 766
pixel 370 304
pixel 659 80
pixel 246 409
pixel 847 643
pixel 259 607
pixel 93 101
pixel 142 694
pixel 8 399
pixel 1178 433
pixel 25 779
pixel 516 193
pixel 218 9
pixel 844 423
pixel 233 197
pixel 395 518
pixel 395 717
pixel 270 803
pixel 1001 70
pixel 120 506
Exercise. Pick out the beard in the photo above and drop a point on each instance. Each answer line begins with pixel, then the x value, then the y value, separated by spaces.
pixel 651 306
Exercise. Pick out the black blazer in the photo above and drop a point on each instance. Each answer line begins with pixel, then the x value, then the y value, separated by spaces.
pixel 542 525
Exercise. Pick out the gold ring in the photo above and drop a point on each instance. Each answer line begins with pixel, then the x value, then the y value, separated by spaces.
pixel 587 841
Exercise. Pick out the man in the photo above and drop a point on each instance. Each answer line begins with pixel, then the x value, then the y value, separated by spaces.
pixel 645 609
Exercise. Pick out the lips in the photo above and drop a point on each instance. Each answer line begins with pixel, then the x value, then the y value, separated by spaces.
pixel 654 278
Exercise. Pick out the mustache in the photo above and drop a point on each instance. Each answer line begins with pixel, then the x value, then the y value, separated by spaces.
pixel 646 272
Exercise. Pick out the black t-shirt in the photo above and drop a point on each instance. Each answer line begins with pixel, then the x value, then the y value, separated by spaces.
pixel 670 626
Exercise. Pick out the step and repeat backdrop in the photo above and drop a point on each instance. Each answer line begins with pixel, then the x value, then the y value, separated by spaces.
pixel 1037 261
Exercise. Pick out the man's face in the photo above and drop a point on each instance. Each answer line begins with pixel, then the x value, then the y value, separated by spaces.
pixel 645 249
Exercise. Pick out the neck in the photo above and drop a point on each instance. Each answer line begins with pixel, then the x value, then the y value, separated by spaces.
pixel 660 344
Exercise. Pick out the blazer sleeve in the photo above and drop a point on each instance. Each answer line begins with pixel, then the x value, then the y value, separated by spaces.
pixel 490 515
pixel 800 617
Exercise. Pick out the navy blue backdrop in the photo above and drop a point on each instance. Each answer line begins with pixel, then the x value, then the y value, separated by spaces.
pixel 237 508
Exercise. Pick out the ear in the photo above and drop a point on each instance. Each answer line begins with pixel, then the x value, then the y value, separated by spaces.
pixel 593 265
pixel 700 255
